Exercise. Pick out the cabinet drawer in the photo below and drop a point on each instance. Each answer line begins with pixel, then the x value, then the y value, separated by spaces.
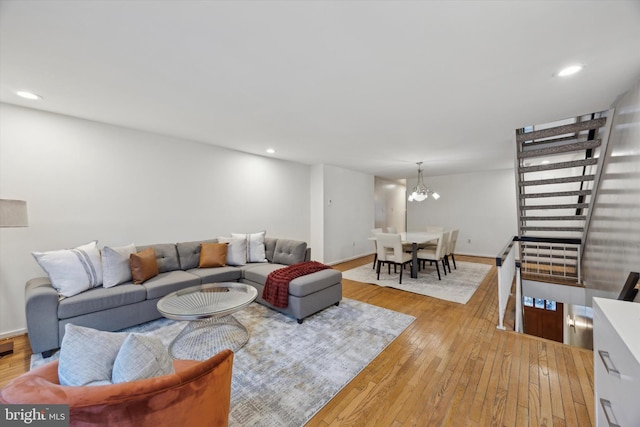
pixel 616 371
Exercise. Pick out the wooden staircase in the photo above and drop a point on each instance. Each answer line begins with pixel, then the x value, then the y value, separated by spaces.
pixel 558 169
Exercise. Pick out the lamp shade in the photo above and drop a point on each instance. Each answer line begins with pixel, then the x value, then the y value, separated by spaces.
pixel 13 213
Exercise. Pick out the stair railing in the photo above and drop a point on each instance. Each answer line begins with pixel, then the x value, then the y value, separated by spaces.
pixel 551 257
pixel 508 270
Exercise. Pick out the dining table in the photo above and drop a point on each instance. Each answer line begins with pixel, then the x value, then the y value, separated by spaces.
pixel 415 238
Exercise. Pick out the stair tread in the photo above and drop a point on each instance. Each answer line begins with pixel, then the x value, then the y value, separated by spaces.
pixel 554 218
pixel 562 206
pixel 561 130
pixel 565 148
pixel 556 194
pixel 560 165
pixel 578 178
pixel 534 228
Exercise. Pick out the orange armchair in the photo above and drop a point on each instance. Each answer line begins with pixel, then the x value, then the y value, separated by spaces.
pixel 197 394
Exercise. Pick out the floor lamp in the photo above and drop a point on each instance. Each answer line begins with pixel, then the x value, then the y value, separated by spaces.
pixel 13 213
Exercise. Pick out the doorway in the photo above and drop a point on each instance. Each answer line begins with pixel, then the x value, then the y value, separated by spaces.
pixel 544 318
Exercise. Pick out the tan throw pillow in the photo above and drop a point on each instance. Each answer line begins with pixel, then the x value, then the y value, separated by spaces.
pixel 143 266
pixel 213 255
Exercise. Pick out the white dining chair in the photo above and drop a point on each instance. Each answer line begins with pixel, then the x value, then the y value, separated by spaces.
pixel 452 247
pixel 390 252
pixel 436 254
pixel 375 232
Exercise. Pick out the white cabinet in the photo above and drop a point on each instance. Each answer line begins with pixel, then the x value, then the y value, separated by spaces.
pixel 616 354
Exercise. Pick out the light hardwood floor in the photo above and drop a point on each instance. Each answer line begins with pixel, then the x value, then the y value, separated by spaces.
pixel 450 367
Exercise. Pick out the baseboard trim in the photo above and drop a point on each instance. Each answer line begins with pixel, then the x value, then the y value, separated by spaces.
pixel 12 334
pixel 349 259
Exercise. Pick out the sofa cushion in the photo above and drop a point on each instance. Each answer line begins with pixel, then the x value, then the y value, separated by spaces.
pixel 314 282
pixel 189 253
pixel 289 252
pixel 143 265
pixel 213 255
pixel 259 272
pixel 171 281
pixel 98 299
pixel 219 274
pixel 141 357
pixel 269 247
pixel 87 356
pixel 116 268
pixel 72 270
pixel 166 256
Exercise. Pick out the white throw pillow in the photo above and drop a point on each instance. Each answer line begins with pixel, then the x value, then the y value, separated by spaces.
pixel 115 265
pixel 87 355
pixel 141 357
pixel 72 270
pixel 256 251
pixel 236 250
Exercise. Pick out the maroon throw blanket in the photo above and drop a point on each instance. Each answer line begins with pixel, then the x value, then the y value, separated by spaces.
pixel 276 288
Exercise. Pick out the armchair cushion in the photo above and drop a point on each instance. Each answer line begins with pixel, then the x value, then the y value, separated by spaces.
pixel 197 394
pixel 141 357
pixel 87 355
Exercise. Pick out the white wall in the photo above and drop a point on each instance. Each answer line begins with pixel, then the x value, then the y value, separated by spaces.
pixel 482 205
pixel 348 214
pixel 85 180
pixel 612 248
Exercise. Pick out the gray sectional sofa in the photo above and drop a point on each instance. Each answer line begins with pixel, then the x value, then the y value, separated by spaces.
pixel 128 304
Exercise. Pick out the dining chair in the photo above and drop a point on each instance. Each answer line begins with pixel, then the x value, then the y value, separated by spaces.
pixel 392 230
pixel 390 252
pixel 431 229
pixel 452 247
pixel 436 254
pixel 375 232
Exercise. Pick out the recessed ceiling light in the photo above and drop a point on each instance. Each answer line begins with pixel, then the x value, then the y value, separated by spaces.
pixel 570 70
pixel 545 162
pixel 270 150
pixel 28 95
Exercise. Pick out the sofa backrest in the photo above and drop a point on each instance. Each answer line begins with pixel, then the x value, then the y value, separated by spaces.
pixel 285 251
pixel 186 255
pixel 189 253
pixel 166 256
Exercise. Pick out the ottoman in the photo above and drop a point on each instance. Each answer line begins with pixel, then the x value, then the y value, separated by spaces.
pixel 307 294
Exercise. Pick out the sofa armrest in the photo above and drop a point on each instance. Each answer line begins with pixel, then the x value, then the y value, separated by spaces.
pixel 42 314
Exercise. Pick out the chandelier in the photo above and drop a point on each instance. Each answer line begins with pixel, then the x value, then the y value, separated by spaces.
pixel 420 191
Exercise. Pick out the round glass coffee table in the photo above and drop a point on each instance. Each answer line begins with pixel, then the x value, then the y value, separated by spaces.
pixel 211 326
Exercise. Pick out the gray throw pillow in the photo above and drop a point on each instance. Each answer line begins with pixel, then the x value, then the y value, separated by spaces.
pixel 87 355
pixel 289 252
pixel 141 357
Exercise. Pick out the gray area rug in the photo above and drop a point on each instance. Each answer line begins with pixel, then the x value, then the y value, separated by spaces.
pixel 457 286
pixel 287 372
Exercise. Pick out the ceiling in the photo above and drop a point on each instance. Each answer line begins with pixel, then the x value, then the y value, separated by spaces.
pixel 372 86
